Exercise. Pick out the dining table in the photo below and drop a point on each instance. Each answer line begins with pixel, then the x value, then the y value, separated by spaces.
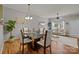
pixel 35 37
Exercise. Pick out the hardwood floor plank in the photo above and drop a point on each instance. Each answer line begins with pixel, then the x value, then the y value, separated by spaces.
pixel 16 48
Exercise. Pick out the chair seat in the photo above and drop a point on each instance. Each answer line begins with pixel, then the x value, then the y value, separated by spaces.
pixel 27 40
pixel 41 42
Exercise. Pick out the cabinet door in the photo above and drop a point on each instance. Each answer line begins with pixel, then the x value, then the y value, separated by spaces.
pixel 69 41
pixel 66 40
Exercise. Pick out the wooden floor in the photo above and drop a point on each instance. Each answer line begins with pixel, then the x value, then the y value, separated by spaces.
pixel 56 48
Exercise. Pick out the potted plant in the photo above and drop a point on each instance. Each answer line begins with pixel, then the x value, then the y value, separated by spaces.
pixel 9 27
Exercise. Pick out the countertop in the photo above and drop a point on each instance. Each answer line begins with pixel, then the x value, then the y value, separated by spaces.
pixel 72 36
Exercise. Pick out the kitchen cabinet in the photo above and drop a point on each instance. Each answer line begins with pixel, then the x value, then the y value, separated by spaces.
pixel 66 40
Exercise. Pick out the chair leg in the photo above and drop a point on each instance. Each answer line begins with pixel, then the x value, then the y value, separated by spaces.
pixel 44 50
pixel 22 48
pixel 50 49
pixel 37 50
pixel 29 48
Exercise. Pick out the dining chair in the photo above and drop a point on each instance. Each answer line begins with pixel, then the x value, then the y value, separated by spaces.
pixel 42 33
pixel 25 40
pixel 25 31
pixel 46 42
pixel 42 30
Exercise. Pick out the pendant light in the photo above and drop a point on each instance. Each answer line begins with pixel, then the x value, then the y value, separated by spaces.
pixel 28 17
pixel 57 16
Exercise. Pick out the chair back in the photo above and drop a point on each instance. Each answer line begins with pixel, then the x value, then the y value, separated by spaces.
pixel 42 30
pixel 26 30
pixel 47 40
pixel 22 36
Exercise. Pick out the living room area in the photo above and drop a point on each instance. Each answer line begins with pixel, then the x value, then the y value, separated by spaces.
pixel 39 29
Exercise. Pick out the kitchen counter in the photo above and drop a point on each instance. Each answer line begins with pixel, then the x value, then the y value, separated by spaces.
pixel 67 39
pixel 72 36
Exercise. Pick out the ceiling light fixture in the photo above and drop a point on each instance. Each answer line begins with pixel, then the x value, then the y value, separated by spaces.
pixel 57 16
pixel 28 17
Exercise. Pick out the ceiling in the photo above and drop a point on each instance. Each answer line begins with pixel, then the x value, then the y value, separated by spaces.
pixel 47 10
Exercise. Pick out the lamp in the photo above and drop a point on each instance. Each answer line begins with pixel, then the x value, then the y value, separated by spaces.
pixel 28 17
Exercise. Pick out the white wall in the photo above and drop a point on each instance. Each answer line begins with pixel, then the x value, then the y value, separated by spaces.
pixel 19 16
pixel 73 20
pixel 74 27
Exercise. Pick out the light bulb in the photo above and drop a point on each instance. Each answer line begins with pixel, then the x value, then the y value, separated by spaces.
pixel 25 17
pixel 30 17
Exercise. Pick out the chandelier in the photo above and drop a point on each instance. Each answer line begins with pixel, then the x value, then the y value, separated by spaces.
pixel 28 17
pixel 57 16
